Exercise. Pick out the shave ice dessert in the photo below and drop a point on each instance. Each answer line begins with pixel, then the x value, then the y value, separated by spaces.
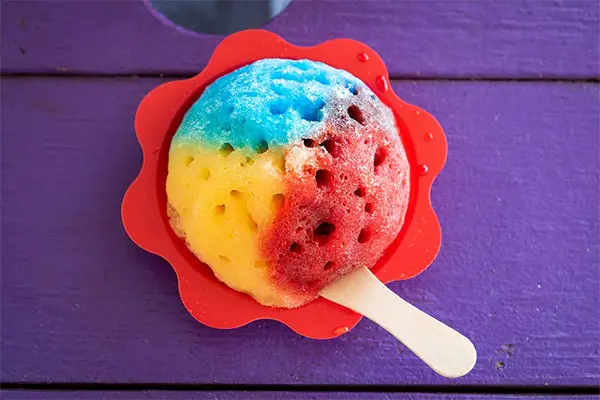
pixel 285 175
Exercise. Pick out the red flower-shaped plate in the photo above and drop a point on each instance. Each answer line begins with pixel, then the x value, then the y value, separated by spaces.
pixel 207 299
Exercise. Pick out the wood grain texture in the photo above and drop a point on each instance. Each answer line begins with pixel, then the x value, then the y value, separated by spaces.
pixel 439 38
pixel 244 395
pixel 518 271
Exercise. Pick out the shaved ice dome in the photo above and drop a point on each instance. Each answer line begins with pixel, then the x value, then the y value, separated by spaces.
pixel 284 175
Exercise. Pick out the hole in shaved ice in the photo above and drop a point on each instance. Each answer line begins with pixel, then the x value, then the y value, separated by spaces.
pixel 331 147
pixel 364 236
pixel 322 79
pixel 308 142
pixel 252 223
pixel 279 106
pixel 220 209
pixel 226 150
pixel 247 161
pixel 360 192
pixel 288 75
pixel 356 114
pixel 352 88
pixel 322 233
pixel 205 173
pixel 380 156
pixel 277 201
pixel 311 112
pixel 296 248
pixel 302 65
pixel 279 89
pixel 261 147
pixel 323 178
pixel 279 162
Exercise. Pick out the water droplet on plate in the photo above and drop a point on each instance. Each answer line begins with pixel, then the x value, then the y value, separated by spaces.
pixel 341 330
pixel 429 136
pixel 382 83
pixel 363 57
pixel 423 169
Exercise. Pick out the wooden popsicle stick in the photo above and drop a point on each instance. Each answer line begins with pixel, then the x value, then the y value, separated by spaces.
pixel 446 351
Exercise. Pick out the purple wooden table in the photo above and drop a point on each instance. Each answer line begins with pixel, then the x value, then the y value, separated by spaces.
pixel 516 87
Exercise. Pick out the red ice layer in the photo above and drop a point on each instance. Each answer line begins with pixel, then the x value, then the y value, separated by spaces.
pixel 340 212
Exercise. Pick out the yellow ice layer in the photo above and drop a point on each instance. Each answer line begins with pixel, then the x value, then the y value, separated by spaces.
pixel 223 199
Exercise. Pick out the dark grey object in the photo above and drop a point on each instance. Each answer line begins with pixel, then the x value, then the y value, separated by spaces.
pixel 219 16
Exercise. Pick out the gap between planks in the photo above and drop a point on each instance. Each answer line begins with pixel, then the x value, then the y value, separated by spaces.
pixel 546 79
pixel 451 389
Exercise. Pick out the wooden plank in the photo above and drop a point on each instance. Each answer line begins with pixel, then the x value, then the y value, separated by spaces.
pixel 518 271
pixel 537 39
pixel 245 395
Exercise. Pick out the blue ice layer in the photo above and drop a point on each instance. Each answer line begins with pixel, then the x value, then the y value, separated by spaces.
pixel 271 102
